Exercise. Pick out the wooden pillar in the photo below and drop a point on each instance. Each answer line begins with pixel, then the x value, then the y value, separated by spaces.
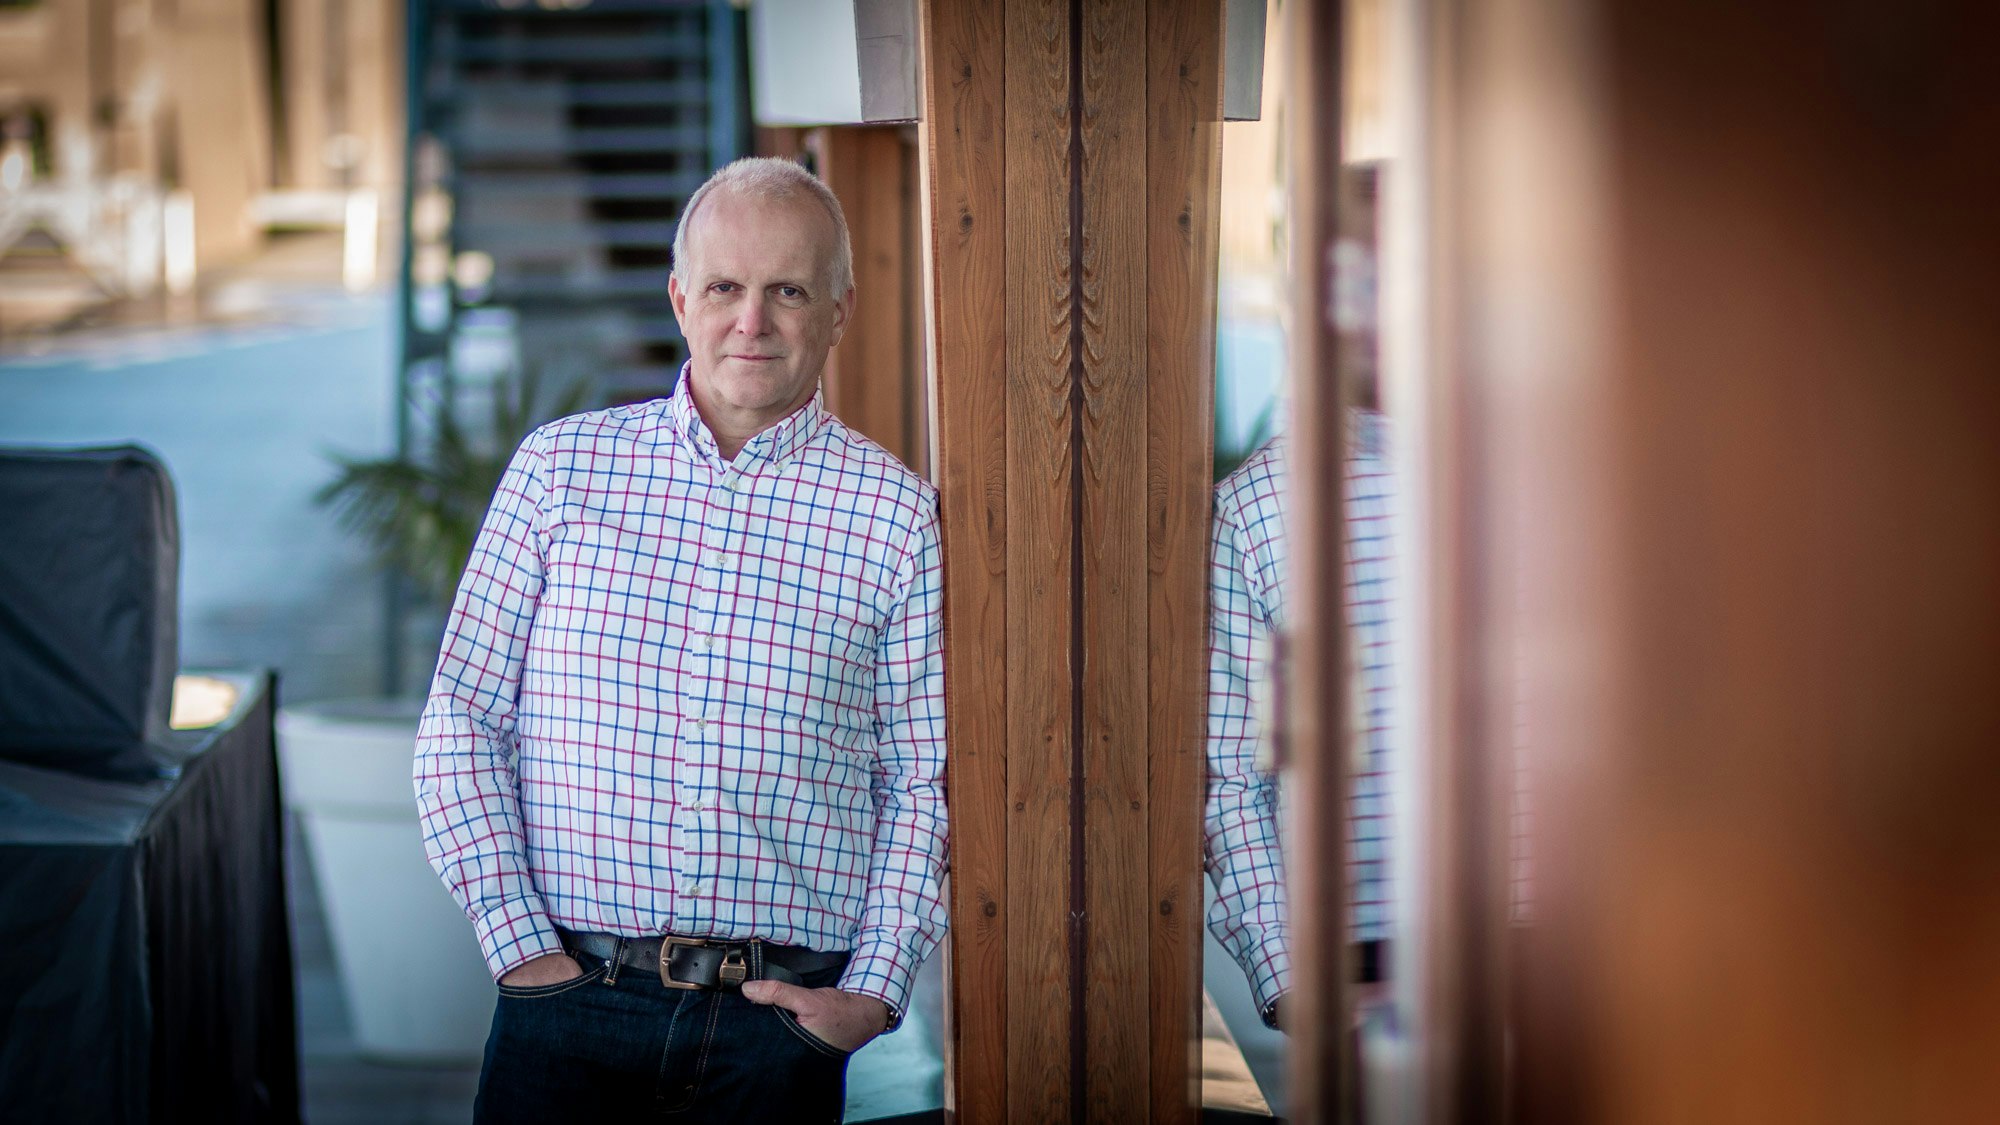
pixel 305 41
pixel 1071 166
pixel 1183 184
pixel 874 380
pixel 1318 1015
pixel 222 121
pixel 375 95
pixel 1726 357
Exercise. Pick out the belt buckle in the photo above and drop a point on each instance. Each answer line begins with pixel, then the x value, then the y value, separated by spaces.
pixel 666 956
pixel 731 974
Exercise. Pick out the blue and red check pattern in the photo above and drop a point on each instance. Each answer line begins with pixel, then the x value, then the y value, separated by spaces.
pixel 683 695
pixel 1246 590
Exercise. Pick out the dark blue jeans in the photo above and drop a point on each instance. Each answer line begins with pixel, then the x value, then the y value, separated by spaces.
pixel 610 1049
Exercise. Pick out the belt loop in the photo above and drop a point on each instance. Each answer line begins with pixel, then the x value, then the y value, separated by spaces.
pixel 617 959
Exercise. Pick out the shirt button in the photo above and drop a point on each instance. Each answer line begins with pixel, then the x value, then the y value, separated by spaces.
pixel 694 890
pixel 701 724
pixel 707 642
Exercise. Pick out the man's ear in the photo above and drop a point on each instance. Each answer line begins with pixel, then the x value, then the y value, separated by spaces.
pixel 843 309
pixel 677 297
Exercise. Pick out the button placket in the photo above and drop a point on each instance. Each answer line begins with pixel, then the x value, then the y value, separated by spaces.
pixel 703 700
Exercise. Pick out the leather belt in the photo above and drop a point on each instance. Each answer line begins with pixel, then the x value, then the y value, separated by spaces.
pixel 685 962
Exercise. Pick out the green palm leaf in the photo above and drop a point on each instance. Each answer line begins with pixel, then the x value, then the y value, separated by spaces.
pixel 421 514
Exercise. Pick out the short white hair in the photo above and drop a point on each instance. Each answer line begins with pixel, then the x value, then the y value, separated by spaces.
pixel 770 177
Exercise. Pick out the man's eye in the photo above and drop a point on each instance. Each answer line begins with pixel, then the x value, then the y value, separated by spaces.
pixel 723 287
pixel 791 292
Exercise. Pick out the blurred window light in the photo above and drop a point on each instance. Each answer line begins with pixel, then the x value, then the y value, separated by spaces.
pixel 177 239
pixel 430 215
pixel 472 271
pixel 357 262
pixel 201 701
pixel 430 307
pixel 14 165
pixel 430 265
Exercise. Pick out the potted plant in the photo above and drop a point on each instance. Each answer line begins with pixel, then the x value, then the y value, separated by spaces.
pixel 416 987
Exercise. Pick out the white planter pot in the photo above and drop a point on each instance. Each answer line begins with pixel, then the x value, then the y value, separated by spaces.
pixel 416 986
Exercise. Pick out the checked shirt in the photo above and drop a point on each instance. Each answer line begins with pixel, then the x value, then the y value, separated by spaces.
pixel 683 695
pixel 1243 851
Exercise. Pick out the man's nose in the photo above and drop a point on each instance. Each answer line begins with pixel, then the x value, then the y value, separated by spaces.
pixel 750 316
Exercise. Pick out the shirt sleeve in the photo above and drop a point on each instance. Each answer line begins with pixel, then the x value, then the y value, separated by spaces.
pixel 903 914
pixel 1241 846
pixel 468 793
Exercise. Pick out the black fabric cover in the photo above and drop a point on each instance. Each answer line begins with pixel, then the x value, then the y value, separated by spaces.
pixel 89 609
pixel 147 973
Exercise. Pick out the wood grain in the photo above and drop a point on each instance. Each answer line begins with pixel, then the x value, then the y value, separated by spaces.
pixel 916 341
pixel 964 152
pixel 1039 624
pixel 866 382
pixel 1321 1071
pixel 1078 392
pixel 1112 308
pixel 1183 178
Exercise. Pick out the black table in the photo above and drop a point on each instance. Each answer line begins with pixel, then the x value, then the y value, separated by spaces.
pixel 145 958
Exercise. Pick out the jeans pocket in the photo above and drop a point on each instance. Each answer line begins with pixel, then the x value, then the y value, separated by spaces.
pixel 815 1042
pixel 542 991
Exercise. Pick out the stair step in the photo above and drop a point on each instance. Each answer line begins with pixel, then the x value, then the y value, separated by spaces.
pixel 552 144
pixel 544 49
pixel 601 185
pixel 520 238
pixel 683 94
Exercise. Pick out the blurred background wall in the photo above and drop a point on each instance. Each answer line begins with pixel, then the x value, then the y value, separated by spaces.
pixel 197 231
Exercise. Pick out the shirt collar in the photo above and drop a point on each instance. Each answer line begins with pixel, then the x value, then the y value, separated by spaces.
pixel 778 444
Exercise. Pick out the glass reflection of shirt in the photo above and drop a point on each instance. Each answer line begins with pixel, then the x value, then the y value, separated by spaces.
pixel 1246 590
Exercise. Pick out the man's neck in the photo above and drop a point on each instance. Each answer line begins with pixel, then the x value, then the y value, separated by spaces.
pixel 732 434
pixel 732 430
pixel 729 445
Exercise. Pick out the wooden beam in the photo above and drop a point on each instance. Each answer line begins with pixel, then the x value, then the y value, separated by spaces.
pixel 1041 619
pixel 963 143
pixel 1732 350
pixel 1183 163
pixel 1111 373
pixel 1318 1007
pixel 868 383
pixel 1075 484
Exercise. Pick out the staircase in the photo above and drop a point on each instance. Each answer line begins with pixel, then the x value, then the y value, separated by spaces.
pixel 571 134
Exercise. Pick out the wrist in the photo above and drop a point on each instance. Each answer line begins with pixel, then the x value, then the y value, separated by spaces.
pixel 884 1016
pixel 882 1013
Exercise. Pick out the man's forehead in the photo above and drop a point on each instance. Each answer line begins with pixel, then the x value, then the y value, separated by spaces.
pixel 735 231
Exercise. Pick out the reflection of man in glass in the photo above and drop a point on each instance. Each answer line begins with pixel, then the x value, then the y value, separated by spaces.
pixel 1246 591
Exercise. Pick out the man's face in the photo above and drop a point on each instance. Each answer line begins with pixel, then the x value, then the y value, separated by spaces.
pixel 756 310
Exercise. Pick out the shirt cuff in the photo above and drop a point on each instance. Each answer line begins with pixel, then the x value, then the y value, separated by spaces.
pixel 1269 1012
pixel 515 932
pixel 883 970
pixel 1270 974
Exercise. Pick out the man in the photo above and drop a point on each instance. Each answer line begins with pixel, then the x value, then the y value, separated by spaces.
pixel 1243 850
pixel 683 758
